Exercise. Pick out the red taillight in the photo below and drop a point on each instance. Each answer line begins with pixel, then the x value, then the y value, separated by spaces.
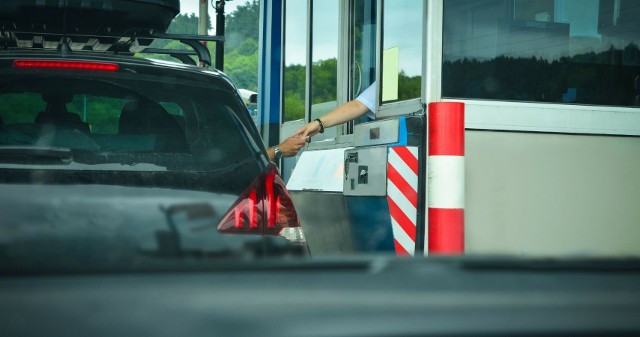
pixel 75 65
pixel 265 207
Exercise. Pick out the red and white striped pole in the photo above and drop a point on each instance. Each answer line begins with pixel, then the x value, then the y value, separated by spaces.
pixel 445 173
pixel 402 197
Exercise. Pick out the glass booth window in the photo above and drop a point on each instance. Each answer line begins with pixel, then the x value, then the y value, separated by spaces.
pixel 401 50
pixel 324 57
pixel 363 39
pixel 363 51
pixel 562 51
pixel 295 60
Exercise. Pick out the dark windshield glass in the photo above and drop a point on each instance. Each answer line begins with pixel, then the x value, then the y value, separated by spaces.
pixel 125 121
pixel 120 170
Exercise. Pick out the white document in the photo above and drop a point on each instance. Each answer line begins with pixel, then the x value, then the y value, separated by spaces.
pixel 320 170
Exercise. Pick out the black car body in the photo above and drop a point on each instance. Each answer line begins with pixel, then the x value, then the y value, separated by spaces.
pixel 131 188
pixel 112 160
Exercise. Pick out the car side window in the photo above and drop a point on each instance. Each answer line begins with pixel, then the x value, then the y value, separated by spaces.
pixel 20 107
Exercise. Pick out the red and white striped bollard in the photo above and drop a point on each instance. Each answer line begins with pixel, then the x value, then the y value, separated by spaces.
pixel 445 173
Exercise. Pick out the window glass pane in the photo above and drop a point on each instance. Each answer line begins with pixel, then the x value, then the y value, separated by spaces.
pixel 562 51
pixel 363 52
pixel 402 50
pixel 295 62
pixel 324 49
pixel 164 121
pixel 364 45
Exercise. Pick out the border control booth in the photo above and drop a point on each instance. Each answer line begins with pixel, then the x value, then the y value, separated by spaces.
pixel 363 198
pixel 340 181
pixel 551 120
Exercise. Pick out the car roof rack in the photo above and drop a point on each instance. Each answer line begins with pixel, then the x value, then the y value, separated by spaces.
pixel 193 41
pixel 116 26
pixel 134 42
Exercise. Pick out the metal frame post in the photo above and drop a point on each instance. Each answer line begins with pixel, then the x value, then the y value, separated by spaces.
pixel 220 23
pixel 270 70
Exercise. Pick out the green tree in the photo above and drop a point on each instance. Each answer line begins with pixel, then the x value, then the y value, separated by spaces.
pixel 181 24
pixel 242 24
pixel 240 46
pixel 294 91
pixel 324 79
pixel 241 64
pixel 185 24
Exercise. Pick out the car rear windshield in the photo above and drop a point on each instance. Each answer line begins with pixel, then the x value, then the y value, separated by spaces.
pixel 120 122
pixel 111 168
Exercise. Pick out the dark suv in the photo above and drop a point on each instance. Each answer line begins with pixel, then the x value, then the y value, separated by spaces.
pixel 107 159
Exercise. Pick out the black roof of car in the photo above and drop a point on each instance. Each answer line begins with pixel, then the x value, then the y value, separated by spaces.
pixel 80 16
pixel 118 27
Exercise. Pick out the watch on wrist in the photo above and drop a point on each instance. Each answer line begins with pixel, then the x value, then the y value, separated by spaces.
pixel 276 152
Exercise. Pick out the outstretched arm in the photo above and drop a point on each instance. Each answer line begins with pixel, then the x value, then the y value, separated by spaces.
pixel 344 113
pixel 289 147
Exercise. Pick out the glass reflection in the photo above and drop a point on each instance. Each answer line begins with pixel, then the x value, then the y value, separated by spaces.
pixel 363 51
pixel 324 57
pixel 562 51
pixel 363 45
pixel 402 50
pixel 295 60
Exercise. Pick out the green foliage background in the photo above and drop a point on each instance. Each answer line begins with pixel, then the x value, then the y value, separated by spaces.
pixel 240 47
